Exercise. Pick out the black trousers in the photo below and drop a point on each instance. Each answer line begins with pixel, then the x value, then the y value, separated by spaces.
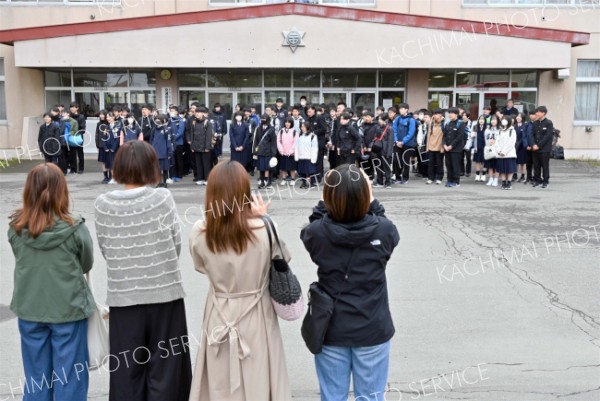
pixel 382 167
pixel 466 157
pixel 422 161
pixel 367 166
pixel 333 163
pixel 76 159
pixel 402 162
pixel 453 166
pixel 150 353
pixel 64 158
pixel 320 166
pixel 203 165
pixel 179 163
pixel 541 161
pixel 436 166
pixel 529 165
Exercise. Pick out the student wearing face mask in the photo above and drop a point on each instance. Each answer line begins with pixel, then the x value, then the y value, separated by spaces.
pixel 200 139
pixel 238 139
pixel 177 124
pixel 507 153
pixel 160 138
pixel 264 147
pixel 131 130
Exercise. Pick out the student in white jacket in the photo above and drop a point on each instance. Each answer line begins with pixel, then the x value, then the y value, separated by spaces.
pixel 507 152
pixel 306 154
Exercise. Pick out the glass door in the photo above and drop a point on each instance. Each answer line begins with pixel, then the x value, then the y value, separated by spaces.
pixel 113 98
pixel 89 103
pixel 361 100
pixel 249 99
pixel 225 99
pixel 333 98
pixel 471 102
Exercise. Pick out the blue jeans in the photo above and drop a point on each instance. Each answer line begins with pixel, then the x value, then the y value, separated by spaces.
pixel 368 365
pixel 55 358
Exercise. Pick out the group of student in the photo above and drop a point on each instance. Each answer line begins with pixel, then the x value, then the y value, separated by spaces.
pixel 291 145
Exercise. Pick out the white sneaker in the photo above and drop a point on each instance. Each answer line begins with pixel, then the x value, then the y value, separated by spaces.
pixel 169 181
pixel 283 183
pixel 477 177
pixel 293 182
pixel 495 182
pixel 429 182
pixel 490 182
pixel 438 182
pixel 200 182
pixel 112 181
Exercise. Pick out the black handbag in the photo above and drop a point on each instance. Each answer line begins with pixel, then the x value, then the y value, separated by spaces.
pixel 283 284
pixel 321 306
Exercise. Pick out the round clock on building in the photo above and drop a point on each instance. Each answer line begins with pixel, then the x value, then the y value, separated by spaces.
pixel 165 74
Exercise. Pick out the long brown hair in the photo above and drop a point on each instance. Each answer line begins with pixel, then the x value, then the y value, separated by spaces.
pixel 228 208
pixel 45 198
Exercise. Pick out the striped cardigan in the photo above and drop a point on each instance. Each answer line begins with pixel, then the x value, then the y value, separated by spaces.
pixel 140 238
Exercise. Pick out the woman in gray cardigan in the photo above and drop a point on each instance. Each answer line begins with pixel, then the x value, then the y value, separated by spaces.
pixel 140 238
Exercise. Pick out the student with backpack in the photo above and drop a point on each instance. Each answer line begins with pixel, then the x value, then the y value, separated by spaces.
pixel 306 154
pixel 382 150
pixel 287 137
pixel 264 148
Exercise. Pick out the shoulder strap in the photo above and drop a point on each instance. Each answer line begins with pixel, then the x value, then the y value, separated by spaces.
pixel 271 229
pixel 346 276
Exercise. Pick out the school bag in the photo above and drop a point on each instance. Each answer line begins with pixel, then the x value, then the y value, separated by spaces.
pixel 73 140
pixel 377 145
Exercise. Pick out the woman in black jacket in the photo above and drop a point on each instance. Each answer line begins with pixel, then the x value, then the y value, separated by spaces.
pixel 264 147
pixel 351 240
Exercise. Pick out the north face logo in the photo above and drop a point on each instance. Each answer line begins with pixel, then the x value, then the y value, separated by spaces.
pixel 375 242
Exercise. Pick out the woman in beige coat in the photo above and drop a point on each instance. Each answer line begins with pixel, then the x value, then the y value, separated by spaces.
pixel 241 353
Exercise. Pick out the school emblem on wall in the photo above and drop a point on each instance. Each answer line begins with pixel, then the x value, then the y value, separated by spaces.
pixel 293 38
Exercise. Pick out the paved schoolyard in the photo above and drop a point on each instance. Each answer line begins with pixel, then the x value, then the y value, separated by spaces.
pixel 494 294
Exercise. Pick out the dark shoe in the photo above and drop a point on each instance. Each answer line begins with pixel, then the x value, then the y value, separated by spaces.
pixel 536 184
pixel 521 179
pixel 105 181
pixel 509 186
pixel 544 185
pixel 468 175
pixel 80 172
pixel 404 182
pixel 515 176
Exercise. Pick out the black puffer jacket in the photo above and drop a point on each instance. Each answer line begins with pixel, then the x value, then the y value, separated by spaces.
pixel 362 315
pixel 200 135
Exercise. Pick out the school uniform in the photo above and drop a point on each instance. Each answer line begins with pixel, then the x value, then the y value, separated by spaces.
pixel 491 134
pixel 543 134
pixel 505 143
pixel 319 128
pixel 465 164
pixel 454 135
pixel 528 142
pixel 49 142
pixel 177 125
pixel 131 133
pixel 423 156
pixel 146 124
pixel 249 150
pixel 306 153
pixel 77 159
pixel 382 161
pixel 200 137
pixel 238 136
pixel 347 143
pixel 369 131
pixel 405 128
pixel 111 146
pixel 160 139
pixel 265 147
pixel 435 148
pixel 286 145
pixel 479 143
pixel 100 138
pixel 520 145
pixel 220 128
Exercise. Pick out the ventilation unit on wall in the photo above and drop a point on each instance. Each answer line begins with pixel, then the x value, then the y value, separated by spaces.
pixel 563 74
pixel 167 98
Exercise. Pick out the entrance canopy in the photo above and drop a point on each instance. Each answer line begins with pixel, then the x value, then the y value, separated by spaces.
pixel 292 36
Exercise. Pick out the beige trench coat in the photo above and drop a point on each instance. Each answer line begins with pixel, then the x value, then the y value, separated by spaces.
pixel 241 353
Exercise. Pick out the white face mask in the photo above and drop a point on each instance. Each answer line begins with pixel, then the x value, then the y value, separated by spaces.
pixel 504 123
pixel 173 114
pixel 130 120
pixel 421 116
pixel 303 103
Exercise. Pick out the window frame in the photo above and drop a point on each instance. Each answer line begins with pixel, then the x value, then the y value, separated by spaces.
pixel 3 80
pixel 242 3
pixel 592 80
pixel 544 3
pixel 54 3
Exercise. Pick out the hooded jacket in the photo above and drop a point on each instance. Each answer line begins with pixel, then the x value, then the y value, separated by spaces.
pixel 49 283
pixel 362 316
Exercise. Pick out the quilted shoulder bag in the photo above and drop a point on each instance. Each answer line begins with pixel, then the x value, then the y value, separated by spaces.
pixel 286 293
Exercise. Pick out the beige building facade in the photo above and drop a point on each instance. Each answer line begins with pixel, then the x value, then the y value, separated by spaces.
pixel 430 53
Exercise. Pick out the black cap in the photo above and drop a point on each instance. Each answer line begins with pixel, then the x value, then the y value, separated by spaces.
pixel 453 110
pixel 542 109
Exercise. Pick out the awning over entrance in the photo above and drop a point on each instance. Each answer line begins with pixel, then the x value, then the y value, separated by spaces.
pixel 292 36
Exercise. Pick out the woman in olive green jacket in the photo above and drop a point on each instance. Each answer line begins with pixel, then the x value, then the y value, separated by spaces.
pixel 53 250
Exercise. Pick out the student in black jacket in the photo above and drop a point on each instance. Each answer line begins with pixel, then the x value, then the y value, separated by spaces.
pixel 382 149
pixel 454 142
pixel 350 239
pixel 543 134
pixel 319 128
pixel 49 140
pixel 200 139
pixel 264 146
pixel 347 141
pixel 77 160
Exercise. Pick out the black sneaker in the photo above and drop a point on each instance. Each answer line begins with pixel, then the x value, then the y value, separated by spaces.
pixel 544 185
pixel 269 185
pixel 509 186
pixel 503 185
pixel 521 179
pixel 536 184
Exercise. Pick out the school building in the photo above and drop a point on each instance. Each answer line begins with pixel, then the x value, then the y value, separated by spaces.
pixel 430 53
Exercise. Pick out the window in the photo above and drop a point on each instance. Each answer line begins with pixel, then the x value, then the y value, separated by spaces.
pixel 2 92
pixel 587 93
pixel 326 2
pixel 103 3
pixel 344 79
pixel 529 3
